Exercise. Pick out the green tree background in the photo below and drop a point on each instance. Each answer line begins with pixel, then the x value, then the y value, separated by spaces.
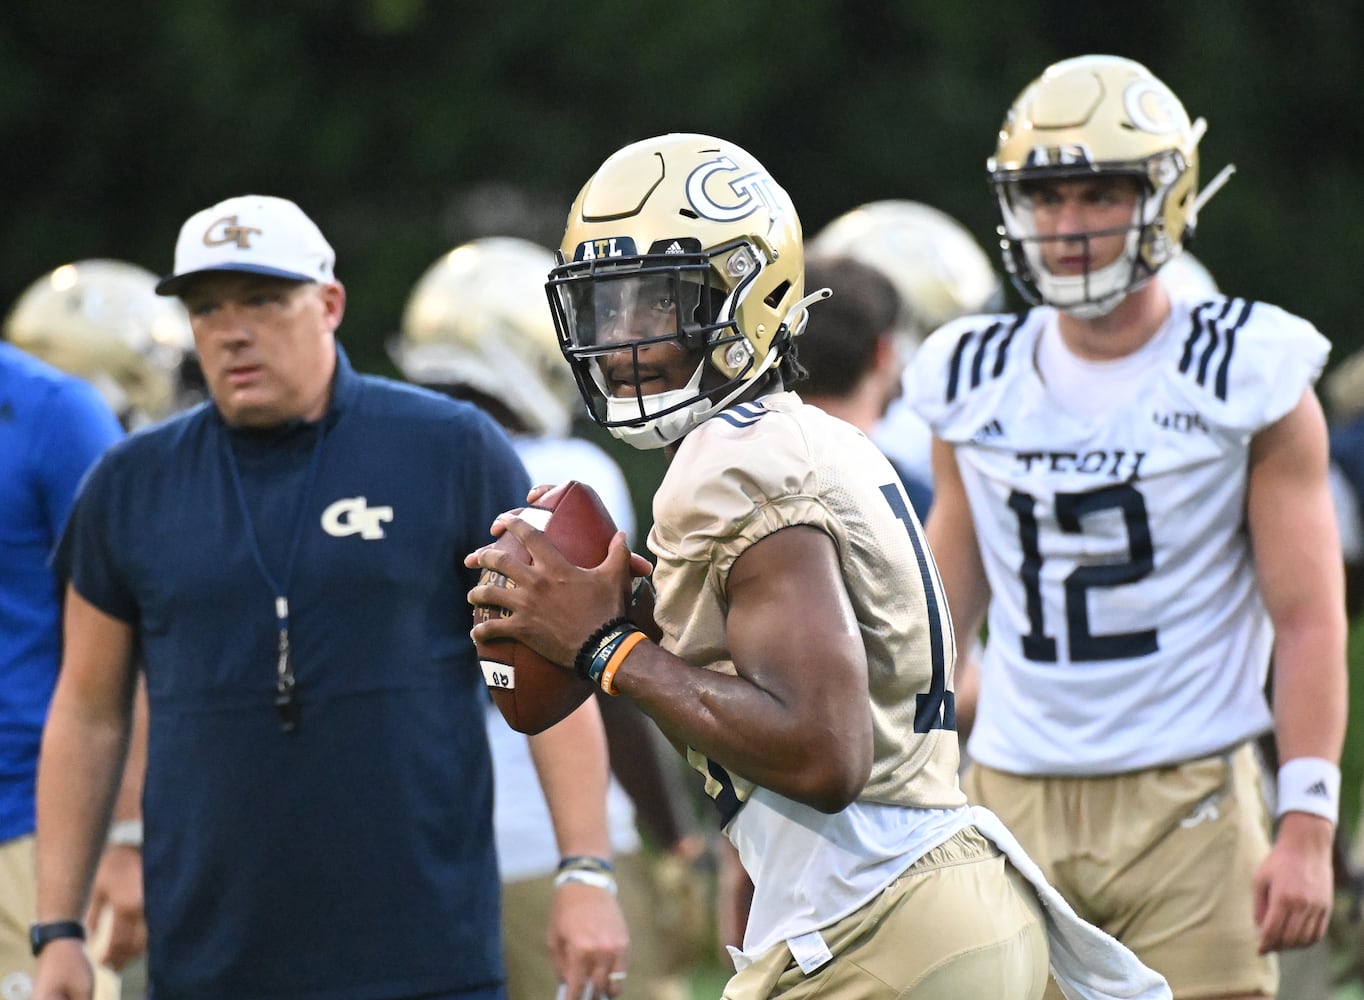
pixel 406 126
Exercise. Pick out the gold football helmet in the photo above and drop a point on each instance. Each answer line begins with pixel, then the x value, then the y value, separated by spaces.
pixel 935 263
pixel 1089 116
pixel 695 229
pixel 477 320
pixel 102 320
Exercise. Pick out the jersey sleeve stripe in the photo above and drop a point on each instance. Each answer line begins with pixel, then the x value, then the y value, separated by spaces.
pixel 1002 352
pixel 935 708
pixel 979 359
pixel 954 369
pixel 978 362
pixel 727 801
pixel 1224 367
pixel 1219 337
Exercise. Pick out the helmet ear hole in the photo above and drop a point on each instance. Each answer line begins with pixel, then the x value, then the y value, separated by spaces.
pixel 774 297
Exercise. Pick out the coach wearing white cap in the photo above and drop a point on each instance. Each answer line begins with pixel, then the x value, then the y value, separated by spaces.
pixel 285 558
pixel 255 234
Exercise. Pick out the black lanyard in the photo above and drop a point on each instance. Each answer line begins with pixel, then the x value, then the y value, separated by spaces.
pixel 286 685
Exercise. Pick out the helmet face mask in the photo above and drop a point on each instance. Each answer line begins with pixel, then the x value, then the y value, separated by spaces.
pixel 1102 284
pixel 683 242
pixel 1086 118
pixel 631 314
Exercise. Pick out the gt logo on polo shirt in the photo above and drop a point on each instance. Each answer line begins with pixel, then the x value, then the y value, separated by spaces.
pixel 351 516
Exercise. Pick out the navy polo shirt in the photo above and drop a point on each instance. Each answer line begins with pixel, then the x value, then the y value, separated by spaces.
pixel 351 858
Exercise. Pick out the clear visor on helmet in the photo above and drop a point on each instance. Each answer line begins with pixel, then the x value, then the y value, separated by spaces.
pixel 621 322
pixel 613 310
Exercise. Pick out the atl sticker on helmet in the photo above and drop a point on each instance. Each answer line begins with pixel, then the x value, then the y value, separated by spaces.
pixel 611 246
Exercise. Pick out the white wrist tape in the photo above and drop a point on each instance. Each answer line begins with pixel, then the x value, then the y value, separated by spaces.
pixel 602 880
pixel 125 833
pixel 1310 785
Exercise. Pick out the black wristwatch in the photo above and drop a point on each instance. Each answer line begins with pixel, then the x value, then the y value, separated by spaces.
pixel 39 935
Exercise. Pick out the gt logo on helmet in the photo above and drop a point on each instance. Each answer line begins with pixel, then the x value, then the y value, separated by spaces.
pixel 1151 107
pixel 752 189
pixel 611 246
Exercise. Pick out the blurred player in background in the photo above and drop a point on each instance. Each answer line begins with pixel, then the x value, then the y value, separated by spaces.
pixel 476 326
pixel 53 427
pixel 1133 486
pixel 805 658
pixel 1343 390
pixel 852 354
pixel 940 273
pixel 102 320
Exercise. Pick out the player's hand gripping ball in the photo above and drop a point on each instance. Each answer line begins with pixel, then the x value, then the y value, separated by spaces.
pixel 531 692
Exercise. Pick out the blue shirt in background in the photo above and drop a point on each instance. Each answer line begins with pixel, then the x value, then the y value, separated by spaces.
pixel 52 428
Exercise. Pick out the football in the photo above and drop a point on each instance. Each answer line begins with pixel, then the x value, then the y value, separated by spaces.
pixel 532 693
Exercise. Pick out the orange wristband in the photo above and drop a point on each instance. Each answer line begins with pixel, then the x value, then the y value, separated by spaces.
pixel 617 658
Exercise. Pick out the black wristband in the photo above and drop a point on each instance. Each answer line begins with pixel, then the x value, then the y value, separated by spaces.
pixel 586 863
pixel 589 648
pixel 41 935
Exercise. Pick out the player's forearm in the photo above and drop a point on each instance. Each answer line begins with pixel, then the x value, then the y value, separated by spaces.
pixel 78 772
pixel 572 764
pixel 128 804
pixel 1310 688
pixel 820 759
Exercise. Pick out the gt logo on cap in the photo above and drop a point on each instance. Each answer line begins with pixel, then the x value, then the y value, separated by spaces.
pixel 227 230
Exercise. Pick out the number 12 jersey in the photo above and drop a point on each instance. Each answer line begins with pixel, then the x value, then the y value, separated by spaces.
pixel 1125 628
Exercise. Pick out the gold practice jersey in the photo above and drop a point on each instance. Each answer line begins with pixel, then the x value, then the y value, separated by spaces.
pixel 762 466
pixel 1126 628
pixel 745 473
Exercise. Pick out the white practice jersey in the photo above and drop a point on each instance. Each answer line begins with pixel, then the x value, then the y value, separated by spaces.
pixel 1126 628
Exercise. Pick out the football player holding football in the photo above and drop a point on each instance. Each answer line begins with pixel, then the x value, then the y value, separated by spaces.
pixel 1131 483
pixel 476 327
pixel 806 656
